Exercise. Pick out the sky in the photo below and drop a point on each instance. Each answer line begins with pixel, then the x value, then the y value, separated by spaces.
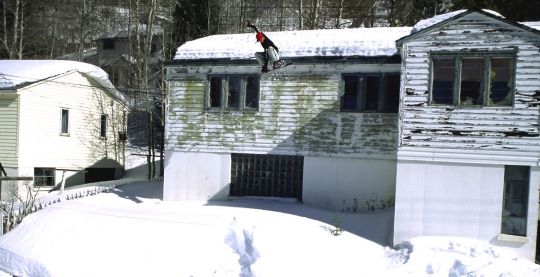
pixel 130 231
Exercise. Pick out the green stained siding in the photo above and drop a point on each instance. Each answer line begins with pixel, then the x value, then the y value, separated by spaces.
pixel 298 115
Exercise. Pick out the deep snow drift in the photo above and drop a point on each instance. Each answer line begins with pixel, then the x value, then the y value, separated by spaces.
pixel 129 231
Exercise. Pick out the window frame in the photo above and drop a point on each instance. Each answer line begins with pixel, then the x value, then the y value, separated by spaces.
pixel 361 90
pixel 103 126
pixel 484 87
pixel 64 132
pixel 225 81
pixel 525 199
pixel 53 176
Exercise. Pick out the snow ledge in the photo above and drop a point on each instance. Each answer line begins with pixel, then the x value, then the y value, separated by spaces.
pixel 504 237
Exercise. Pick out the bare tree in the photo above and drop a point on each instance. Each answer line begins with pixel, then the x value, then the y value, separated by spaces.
pixel 13 24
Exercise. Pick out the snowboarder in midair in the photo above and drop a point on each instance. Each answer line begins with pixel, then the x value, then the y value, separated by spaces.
pixel 271 52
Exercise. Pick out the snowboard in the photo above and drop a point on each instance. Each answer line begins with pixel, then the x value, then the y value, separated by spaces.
pixel 283 63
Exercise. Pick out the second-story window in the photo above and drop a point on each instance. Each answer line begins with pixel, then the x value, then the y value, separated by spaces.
pixel 370 92
pixel 478 79
pixel 64 122
pixel 103 126
pixel 233 92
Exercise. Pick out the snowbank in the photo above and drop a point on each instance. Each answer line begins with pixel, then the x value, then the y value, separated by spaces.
pixel 129 231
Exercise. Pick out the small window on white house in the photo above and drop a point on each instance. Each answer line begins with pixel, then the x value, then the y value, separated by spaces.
pixel 44 176
pixel 371 92
pixel 103 126
pixel 483 79
pixel 233 92
pixel 516 194
pixel 64 123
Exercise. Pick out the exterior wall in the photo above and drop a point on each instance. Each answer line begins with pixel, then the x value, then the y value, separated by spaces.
pixel 485 134
pixel 196 176
pixel 41 143
pixel 9 117
pixel 348 184
pixel 465 200
pixel 298 115
pixel 450 172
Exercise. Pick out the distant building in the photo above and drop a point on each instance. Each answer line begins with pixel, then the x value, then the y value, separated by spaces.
pixel 57 116
pixel 441 118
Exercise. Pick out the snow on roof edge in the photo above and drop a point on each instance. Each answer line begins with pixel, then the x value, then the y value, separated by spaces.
pixel 367 42
pixel 14 73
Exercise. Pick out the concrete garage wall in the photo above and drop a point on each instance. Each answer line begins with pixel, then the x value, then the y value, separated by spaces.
pixel 196 176
pixel 452 199
pixel 336 182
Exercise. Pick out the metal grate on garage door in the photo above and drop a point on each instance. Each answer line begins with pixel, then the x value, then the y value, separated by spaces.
pixel 267 175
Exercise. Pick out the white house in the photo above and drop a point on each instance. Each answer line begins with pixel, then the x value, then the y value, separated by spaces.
pixel 59 119
pixel 443 118
pixel 469 146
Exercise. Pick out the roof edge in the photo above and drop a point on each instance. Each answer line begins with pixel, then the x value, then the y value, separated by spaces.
pixel 399 42
pixel 312 60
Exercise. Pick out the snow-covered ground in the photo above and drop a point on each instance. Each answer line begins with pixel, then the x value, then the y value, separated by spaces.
pixel 130 231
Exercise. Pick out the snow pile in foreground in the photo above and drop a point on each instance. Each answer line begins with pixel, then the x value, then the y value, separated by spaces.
pixel 129 231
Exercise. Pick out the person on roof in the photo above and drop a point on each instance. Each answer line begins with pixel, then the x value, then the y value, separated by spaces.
pixel 271 52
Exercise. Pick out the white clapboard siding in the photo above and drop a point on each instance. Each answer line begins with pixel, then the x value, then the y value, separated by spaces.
pixel 481 130
pixel 42 145
pixel 8 130
pixel 298 115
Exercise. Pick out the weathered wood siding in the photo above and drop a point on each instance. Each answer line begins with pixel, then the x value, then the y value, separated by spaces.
pixel 491 131
pixel 42 145
pixel 9 111
pixel 298 115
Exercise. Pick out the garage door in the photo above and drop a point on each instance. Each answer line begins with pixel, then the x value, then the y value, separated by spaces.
pixel 267 175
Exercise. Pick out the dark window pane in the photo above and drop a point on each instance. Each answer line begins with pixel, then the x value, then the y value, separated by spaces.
pixel 215 92
pixel 443 82
pixel 471 81
pixel 373 84
pixel 392 93
pixel 233 92
pixel 103 126
pixel 44 176
pixel 349 100
pixel 501 81
pixel 252 92
pixel 65 121
pixel 516 194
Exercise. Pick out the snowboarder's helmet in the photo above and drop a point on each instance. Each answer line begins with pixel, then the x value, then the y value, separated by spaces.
pixel 259 36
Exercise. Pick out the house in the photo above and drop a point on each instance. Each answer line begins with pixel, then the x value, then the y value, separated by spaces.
pixel 60 121
pixel 234 132
pixel 469 145
pixel 368 118
pixel 115 53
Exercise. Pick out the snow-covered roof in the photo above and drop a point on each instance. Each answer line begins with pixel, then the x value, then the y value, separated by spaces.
pixel 126 32
pixel 15 73
pixel 363 42
pixel 422 25
pixel 425 23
